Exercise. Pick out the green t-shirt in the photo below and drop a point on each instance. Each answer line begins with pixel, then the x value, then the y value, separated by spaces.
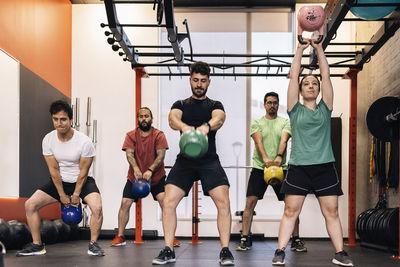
pixel 271 131
pixel 311 135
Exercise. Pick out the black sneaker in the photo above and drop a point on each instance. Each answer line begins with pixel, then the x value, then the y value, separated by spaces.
pixel 298 245
pixel 95 250
pixel 342 258
pixel 245 243
pixel 166 256
pixel 31 250
pixel 225 257
pixel 279 257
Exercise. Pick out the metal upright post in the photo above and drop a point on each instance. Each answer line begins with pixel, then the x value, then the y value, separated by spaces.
pixel 195 214
pixel 352 75
pixel 140 73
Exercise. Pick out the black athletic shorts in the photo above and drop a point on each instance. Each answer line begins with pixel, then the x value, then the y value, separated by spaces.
pixel 88 188
pixel 257 186
pixel 186 171
pixel 155 189
pixel 321 179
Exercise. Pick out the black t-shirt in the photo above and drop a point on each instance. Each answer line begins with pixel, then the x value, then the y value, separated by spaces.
pixel 195 113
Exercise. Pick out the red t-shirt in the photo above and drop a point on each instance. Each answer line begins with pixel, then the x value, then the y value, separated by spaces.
pixel 146 151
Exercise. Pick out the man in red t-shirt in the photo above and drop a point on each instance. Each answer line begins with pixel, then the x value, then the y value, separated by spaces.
pixel 145 149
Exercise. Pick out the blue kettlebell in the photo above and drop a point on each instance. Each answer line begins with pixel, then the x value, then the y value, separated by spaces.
pixel 140 188
pixel 71 215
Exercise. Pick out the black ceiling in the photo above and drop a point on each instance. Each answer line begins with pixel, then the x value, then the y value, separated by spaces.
pixel 234 3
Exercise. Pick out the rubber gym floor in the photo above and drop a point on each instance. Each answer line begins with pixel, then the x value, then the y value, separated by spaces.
pixel 74 253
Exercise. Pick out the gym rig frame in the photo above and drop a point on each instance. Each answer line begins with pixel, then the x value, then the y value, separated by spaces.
pixel 353 61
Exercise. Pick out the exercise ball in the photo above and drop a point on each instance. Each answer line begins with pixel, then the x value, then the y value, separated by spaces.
pixel 48 232
pixel 71 215
pixel 64 230
pixel 311 19
pixel 373 12
pixel 193 144
pixel 140 188
pixel 20 235
pixel 273 175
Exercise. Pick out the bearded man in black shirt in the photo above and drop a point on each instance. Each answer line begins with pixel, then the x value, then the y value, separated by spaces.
pixel 207 116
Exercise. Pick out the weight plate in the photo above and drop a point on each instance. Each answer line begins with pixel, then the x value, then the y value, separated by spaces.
pixel 392 228
pixel 379 229
pixel 363 224
pixel 376 118
pixel 360 222
pixel 370 225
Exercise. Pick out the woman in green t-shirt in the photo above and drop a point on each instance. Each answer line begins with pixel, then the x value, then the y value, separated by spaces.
pixel 311 165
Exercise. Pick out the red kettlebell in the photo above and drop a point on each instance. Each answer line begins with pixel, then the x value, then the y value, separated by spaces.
pixel 310 18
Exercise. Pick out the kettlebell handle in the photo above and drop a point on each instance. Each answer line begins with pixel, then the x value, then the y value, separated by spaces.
pixel 301 40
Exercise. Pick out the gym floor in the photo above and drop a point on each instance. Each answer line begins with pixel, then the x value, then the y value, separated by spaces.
pixel 74 253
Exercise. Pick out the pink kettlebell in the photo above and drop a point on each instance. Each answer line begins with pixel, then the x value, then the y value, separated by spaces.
pixel 310 18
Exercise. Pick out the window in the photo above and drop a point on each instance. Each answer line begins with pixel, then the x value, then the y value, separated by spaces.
pixel 226 33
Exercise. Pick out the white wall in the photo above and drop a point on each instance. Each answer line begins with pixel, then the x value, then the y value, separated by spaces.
pixel 98 72
pixel 9 134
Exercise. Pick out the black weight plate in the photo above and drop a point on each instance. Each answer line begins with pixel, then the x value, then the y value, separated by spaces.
pixel 392 228
pixel 385 228
pixel 363 224
pixel 370 226
pixel 376 122
pixel 360 221
pixel 379 228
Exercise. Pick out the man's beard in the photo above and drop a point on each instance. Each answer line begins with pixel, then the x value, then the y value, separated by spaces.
pixel 145 127
pixel 272 113
pixel 203 92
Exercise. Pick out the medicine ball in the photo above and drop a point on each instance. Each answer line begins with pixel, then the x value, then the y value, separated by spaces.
pixel 4 231
pixel 373 12
pixel 64 230
pixel 75 232
pixel 48 232
pixel 20 235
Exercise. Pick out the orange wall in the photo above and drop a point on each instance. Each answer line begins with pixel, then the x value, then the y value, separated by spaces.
pixel 38 34
pixel 14 209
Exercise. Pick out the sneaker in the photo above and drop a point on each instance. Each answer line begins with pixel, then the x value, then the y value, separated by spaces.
pixel 176 242
pixel 95 250
pixel 225 257
pixel 279 257
pixel 166 256
pixel 118 241
pixel 31 250
pixel 342 258
pixel 298 245
pixel 245 243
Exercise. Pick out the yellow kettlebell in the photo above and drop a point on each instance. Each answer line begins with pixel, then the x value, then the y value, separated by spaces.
pixel 273 175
